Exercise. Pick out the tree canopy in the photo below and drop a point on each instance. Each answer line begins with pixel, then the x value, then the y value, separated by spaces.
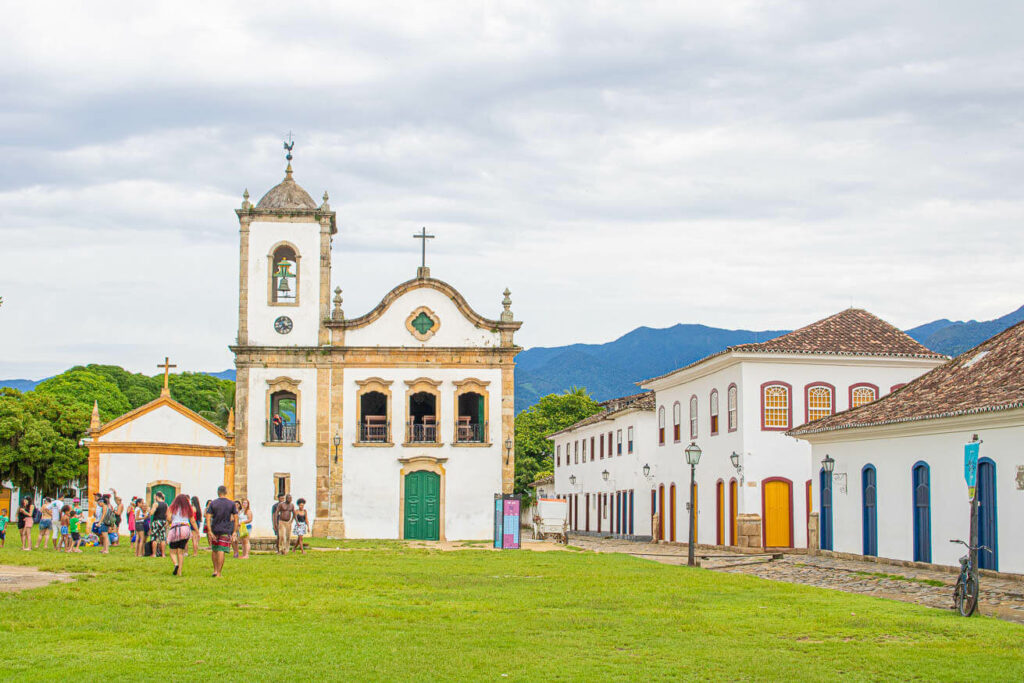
pixel 550 414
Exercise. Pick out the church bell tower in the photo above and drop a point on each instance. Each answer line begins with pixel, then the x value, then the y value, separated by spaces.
pixel 284 266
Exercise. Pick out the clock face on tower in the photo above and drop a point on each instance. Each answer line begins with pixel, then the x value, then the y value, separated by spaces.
pixel 283 325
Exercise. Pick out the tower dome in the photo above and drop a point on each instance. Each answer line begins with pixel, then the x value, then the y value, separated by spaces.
pixel 287 194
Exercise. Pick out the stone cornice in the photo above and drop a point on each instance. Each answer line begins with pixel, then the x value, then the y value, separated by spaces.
pixel 246 216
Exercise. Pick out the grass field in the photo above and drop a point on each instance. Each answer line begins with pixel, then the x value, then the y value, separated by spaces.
pixel 383 611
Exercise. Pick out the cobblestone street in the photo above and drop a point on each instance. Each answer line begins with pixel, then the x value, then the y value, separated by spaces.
pixel 1003 598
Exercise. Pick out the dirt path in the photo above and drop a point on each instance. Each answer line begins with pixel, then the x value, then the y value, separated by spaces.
pixel 13 579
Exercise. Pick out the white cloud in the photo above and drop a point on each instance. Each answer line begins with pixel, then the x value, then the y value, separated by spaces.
pixel 742 164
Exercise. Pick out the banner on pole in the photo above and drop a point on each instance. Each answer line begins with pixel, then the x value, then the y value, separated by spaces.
pixel 971 464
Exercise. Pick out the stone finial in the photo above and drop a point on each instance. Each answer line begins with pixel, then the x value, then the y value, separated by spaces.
pixel 246 204
pixel 94 422
pixel 506 315
pixel 325 206
pixel 231 421
pixel 337 313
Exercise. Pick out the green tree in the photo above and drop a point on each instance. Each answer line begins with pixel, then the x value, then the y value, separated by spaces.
pixel 39 435
pixel 83 386
pixel 209 396
pixel 550 414
pixel 139 389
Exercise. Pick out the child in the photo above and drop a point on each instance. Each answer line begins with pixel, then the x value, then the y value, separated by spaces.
pixel 3 527
pixel 65 533
pixel 76 537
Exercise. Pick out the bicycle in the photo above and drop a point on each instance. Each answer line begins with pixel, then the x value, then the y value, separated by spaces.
pixel 965 594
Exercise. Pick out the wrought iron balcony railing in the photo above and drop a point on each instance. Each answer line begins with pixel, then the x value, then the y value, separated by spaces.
pixel 420 433
pixel 374 432
pixel 470 432
pixel 285 432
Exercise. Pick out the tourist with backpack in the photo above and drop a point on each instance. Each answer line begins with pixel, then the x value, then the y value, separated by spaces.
pixel 183 525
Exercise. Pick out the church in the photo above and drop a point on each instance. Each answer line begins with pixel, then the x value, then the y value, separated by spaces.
pixel 397 423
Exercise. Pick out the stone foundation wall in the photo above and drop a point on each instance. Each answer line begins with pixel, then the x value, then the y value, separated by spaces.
pixel 812 534
pixel 748 531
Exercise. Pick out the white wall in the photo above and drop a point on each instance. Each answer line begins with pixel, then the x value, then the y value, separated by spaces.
pixel 306 316
pixel 943 451
pixel 390 329
pixel 130 473
pixel 266 461
pixel 625 471
pixel 164 425
pixel 372 479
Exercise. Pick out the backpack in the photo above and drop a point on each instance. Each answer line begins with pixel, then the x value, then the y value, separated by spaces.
pixel 110 518
pixel 37 515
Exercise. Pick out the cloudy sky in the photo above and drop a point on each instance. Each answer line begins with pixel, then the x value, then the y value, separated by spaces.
pixel 739 164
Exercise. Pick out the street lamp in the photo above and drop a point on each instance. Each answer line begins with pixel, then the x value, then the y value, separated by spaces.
pixel 828 464
pixel 735 460
pixel 337 442
pixel 572 480
pixel 647 470
pixel 508 450
pixel 692 458
pixel 604 475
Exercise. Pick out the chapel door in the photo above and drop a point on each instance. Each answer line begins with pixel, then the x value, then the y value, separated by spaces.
pixel 422 506
pixel 987 559
pixel 778 520
pixel 166 489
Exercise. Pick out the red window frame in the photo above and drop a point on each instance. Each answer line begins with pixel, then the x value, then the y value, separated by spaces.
pixel 807 398
pixel 713 417
pixel 693 415
pixel 789 406
pixel 863 384
pixel 730 427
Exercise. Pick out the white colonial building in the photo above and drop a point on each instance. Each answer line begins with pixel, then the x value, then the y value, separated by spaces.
pixel 599 467
pixel 392 424
pixel 897 489
pixel 743 400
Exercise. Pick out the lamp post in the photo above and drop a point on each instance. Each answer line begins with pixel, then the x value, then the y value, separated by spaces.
pixel 337 442
pixel 828 464
pixel 604 475
pixel 692 458
pixel 647 471
pixel 508 450
pixel 572 480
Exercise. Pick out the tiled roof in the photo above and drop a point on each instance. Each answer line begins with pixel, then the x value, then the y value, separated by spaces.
pixel 642 401
pixel 853 332
pixel 987 378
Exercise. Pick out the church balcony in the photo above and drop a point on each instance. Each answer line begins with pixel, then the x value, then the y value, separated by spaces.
pixel 467 432
pixel 420 433
pixel 287 432
pixel 374 432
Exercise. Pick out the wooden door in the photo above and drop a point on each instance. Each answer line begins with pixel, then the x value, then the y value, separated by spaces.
pixel 422 506
pixel 661 512
pixel 720 512
pixel 825 518
pixel 5 503
pixel 733 510
pixel 987 527
pixel 777 502
pixel 166 489
pixel 672 512
pixel 869 515
pixel 922 513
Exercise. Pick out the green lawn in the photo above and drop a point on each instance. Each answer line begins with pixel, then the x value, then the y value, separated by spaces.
pixel 382 611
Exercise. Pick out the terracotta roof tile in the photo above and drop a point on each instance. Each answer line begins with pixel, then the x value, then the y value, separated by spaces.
pixel 642 401
pixel 853 332
pixel 989 377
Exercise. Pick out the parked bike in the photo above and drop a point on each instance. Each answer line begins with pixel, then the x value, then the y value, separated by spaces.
pixel 965 594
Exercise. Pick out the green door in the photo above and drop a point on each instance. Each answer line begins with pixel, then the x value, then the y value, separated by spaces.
pixel 422 506
pixel 168 492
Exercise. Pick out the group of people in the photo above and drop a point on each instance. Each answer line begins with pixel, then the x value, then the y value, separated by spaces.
pixel 160 529
pixel 283 515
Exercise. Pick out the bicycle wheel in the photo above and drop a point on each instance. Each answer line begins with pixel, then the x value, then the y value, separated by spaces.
pixel 958 596
pixel 970 603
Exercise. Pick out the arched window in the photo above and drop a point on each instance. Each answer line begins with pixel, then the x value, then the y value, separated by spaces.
pixel 558 455
pixel 862 393
pixel 820 401
pixel 373 409
pixel 869 504
pixel 471 417
pixel 284 275
pixel 713 402
pixel 693 417
pixel 422 424
pixel 894 387
pixel 661 426
pixel 775 406
pixel 733 402
pixel 283 425
pixel 677 417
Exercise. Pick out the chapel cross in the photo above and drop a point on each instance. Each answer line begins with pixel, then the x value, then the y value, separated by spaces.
pixel 422 235
pixel 167 365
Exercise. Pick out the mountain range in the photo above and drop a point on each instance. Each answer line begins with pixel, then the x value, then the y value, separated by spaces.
pixel 612 369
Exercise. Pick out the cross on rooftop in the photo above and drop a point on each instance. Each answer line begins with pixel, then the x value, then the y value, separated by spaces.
pixel 422 235
pixel 167 365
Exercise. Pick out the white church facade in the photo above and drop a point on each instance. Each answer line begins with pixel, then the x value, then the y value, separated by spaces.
pixel 897 488
pixel 392 424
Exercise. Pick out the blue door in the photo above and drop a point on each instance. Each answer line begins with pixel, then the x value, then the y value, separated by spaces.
pixel 825 534
pixel 922 514
pixel 987 528
pixel 869 498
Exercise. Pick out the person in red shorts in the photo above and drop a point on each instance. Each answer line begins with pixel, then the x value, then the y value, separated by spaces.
pixel 222 524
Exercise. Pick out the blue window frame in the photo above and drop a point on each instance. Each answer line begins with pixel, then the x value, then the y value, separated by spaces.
pixel 869 505
pixel 922 498
pixel 825 523
pixel 988 528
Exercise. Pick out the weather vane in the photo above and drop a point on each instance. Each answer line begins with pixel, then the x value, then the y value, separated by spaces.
pixel 288 146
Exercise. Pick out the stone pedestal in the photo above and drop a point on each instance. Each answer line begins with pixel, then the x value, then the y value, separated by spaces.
pixel 748 531
pixel 812 534
pixel 329 528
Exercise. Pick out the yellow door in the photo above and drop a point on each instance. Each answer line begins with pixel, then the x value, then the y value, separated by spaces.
pixel 5 502
pixel 777 514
